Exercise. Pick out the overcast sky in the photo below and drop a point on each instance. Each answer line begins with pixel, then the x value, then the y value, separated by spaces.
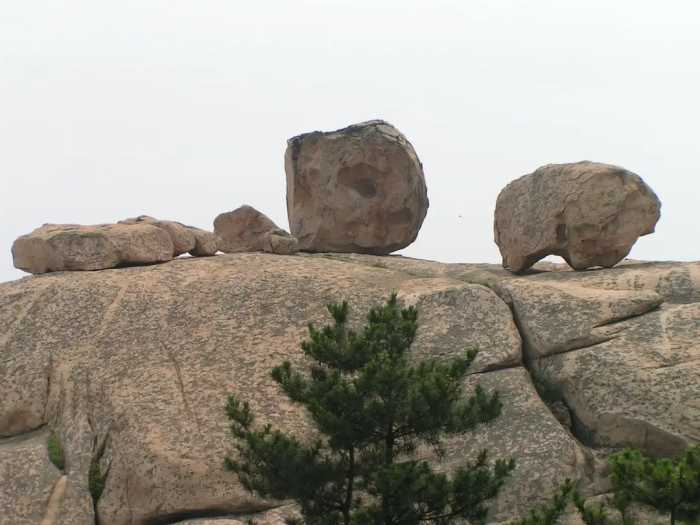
pixel 181 109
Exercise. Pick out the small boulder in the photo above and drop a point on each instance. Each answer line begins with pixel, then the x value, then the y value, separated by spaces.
pixel 205 243
pixel 245 229
pixel 359 189
pixel 590 214
pixel 59 247
pixel 281 243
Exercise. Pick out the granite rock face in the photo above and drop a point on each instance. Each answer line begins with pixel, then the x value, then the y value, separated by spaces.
pixel 588 213
pixel 245 229
pixel 130 368
pixel 359 189
pixel 622 347
pixel 29 479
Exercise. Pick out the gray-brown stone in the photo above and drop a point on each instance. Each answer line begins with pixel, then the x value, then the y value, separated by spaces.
pixel 140 360
pixel 358 189
pixel 280 242
pixel 245 229
pixel 182 236
pixel 60 247
pixel 590 214
pixel 205 243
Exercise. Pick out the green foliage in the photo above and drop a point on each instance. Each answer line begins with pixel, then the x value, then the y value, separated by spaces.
pixel 373 408
pixel 96 478
pixel 549 513
pixel 55 450
pixel 671 486
pixel 597 513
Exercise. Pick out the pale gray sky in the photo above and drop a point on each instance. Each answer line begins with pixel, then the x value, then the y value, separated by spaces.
pixel 181 109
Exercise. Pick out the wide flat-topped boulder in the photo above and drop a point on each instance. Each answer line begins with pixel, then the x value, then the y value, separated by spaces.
pixel 590 214
pixel 358 189
pixel 59 247
pixel 135 241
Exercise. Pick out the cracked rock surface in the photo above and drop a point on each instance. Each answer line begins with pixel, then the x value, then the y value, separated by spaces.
pixel 131 368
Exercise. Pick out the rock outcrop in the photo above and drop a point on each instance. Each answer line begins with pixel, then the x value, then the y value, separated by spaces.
pixel 359 189
pixel 621 347
pixel 245 229
pixel 588 213
pixel 130 369
pixel 136 241
pixel 58 247
pixel 182 237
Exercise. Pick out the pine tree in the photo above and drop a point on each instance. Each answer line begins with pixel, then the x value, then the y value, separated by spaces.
pixel 551 512
pixel 373 406
pixel 669 485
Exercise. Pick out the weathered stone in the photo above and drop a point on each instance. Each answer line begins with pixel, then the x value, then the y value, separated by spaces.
pixel 244 229
pixel 276 516
pixel 140 360
pixel 281 243
pixel 59 247
pixel 182 236
pixel 588 213
pixel 546 454
pixel 626 367
pixel 203 328
pixel 457 318
pixel 359 189
pixel 640 387
pixel 556 317
pixel 205 243
pixel 28 479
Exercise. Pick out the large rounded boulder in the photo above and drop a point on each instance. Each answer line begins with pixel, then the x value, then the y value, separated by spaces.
pixel 590 214
pixel 359 189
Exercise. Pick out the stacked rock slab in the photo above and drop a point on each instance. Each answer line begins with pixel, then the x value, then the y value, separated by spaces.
pixel 59 247
pixel 359 189
pixel 186 239
pixel 588 213
pixel 142 240
pixel 245 229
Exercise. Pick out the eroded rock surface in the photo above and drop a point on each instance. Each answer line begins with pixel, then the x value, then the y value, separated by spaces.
pixel 182 236
pixel 131 368
pixel 28 479
pixel 245 229
pixel 58 247
pixel 588 213
pixel 622 346
pixel 358 189
pixel 135 241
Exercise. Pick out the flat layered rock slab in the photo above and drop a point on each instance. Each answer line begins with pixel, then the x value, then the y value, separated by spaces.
pixel 455 318
pixel 675 282
pixel 622 348
pixel 560 316
pixel 133 365
pixel 641 388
